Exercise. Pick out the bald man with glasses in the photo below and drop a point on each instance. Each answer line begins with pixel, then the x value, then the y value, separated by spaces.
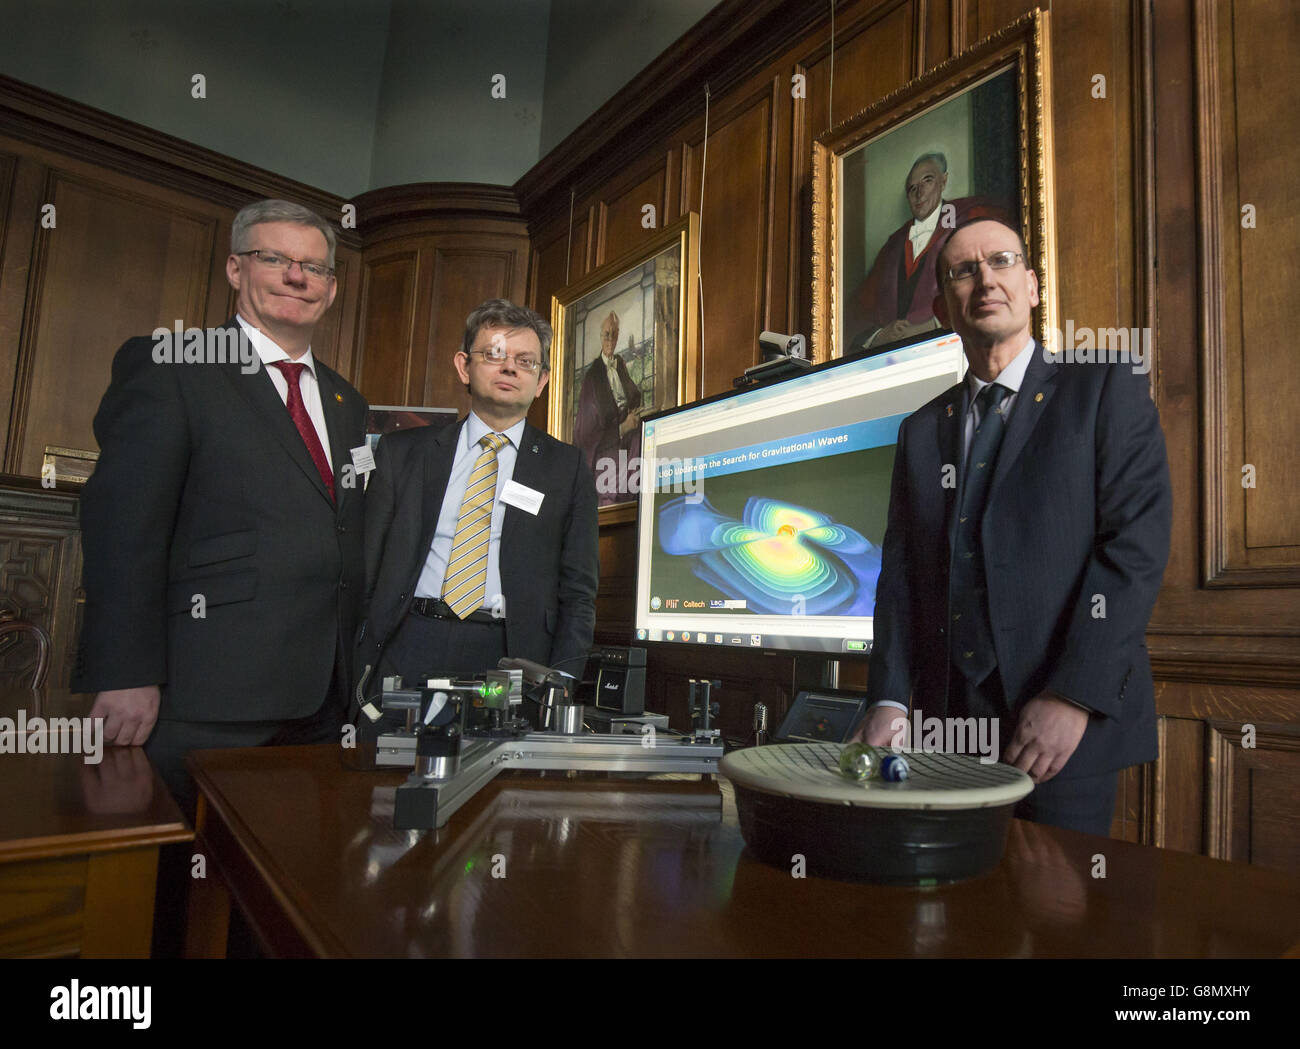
pixel 1021 592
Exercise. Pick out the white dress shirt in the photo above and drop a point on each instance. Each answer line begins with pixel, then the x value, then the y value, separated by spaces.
pixel 467 451
pixel 615 383
pixel 269 353
pixel 923 229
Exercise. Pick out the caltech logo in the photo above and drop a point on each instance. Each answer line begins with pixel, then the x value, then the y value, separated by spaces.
pixel 102 1003
pixel 180 345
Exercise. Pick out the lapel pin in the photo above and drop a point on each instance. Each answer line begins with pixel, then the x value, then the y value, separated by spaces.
pixel 339 397
pixel 950 411
pixel 534 448
pixel 1037 397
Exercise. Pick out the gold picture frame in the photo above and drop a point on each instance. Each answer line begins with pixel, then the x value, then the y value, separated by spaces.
pixel 991 105
pixel 652 293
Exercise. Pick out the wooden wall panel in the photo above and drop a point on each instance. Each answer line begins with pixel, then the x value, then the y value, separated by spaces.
pixel 40 571
pixel 65 353
pixel 1250 423
pixel 332 340
pixel 432 253
pixel 734 233
pixel 623 212
pixel 386 329
pixel 463 277
pixel 549 268
pixel 1254 797
pixel 22 215
pixel 1095 290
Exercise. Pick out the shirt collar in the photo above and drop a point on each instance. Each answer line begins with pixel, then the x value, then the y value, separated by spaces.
pixel 611 362
pixel 1012 376
pixel 269 351
pixel 476 429
pixel 927 224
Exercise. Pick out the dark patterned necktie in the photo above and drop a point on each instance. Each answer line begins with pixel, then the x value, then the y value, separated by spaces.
pixel 972 635
pixel 298 413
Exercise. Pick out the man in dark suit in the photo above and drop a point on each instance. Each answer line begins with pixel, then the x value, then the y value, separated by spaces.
pixel 481 536
pixel 222 525
pixel 609 409
pixel 1028 532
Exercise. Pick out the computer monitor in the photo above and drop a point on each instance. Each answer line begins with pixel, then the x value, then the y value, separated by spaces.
pixel 761 513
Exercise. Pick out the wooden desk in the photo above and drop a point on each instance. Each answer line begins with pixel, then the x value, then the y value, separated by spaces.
pixel 79 853
pixel 556 865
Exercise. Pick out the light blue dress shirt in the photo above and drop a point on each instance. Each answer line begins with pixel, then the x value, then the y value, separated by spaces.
pixel 467 451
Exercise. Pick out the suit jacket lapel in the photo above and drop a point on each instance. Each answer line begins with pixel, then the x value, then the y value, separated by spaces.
pixel 530 463
pixel 335 411
pixel 952 412
pixel 439 455
pixel 1035 393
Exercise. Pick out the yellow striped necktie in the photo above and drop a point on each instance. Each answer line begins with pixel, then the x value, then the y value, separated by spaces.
pixel 465 584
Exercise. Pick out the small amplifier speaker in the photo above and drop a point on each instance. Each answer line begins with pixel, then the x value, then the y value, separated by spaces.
pixel 620 679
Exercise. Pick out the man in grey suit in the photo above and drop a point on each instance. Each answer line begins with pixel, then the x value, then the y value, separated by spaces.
pixel 1022 592
pixel 222 525
pixel 481 537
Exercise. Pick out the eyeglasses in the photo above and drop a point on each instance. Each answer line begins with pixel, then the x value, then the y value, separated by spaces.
pixel 999 260
pixel 271 260
pixel 497 355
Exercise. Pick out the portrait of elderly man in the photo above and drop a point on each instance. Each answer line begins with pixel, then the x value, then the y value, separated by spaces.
pixel 896 301
pixel 609 409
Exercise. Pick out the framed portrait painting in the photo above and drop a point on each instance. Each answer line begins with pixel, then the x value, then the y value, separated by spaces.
pixel 971 139
pixel 625 347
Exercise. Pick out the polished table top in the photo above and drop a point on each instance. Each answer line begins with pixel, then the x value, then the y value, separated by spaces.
pixel 58 804
pixel 588 865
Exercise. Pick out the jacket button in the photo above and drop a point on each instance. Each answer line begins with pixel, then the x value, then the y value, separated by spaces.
pixel 342 529
pixel 343 584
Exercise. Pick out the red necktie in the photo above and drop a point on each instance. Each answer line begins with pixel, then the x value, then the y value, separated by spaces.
pixel 298 412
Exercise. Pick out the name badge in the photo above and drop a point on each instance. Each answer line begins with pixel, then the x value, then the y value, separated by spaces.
pixel 527 499
pixel 363 459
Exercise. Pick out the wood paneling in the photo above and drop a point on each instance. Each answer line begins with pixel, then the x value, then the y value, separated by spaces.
pixel 735 232
pixel 1248 208
pixel 1254 797
pixel 432 254
pixel 386 330
pixel 65 353
pixel 463 277
pixel 623 214
pixel 1190 88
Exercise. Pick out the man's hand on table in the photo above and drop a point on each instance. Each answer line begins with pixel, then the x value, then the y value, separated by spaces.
pixel 129 714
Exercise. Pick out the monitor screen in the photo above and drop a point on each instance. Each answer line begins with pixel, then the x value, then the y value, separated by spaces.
pixel 761 513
